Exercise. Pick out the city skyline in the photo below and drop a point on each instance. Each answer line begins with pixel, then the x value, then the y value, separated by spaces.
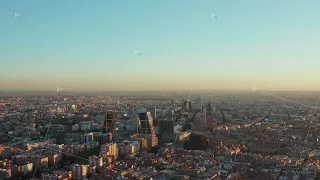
pixel 270 45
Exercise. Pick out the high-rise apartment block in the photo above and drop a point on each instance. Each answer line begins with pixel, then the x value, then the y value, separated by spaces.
pixel 129 148
pixel 79 172
pixel 95 161
pixel 109 149
pixel 200 121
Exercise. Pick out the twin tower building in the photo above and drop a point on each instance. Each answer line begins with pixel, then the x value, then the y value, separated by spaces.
pixel 145 132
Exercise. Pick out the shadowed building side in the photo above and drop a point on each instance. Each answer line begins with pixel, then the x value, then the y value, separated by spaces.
pixel 146 122
pixel 110 122
pixel 146 129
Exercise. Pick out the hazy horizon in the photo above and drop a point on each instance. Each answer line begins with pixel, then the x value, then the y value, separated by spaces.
pixel 268 44
pixel 158 91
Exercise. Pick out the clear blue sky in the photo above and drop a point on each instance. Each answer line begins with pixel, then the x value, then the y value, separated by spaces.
pixel 271 44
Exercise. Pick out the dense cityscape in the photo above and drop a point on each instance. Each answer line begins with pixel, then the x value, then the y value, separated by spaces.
pixel 169 136
pixel 159 90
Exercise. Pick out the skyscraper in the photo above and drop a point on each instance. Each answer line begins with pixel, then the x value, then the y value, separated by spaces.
pixel 165 126
pixel 146 122
pixel 197 104
pixel 110 122
pixel 157 113
pixel 209 106
pixel 147 129
pixel 187 105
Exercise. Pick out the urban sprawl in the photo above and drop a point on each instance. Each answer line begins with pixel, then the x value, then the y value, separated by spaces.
pixel 240 137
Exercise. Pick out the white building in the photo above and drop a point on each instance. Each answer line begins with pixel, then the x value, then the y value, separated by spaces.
pixel 110 149
pixel 75 127
pixel 85 125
